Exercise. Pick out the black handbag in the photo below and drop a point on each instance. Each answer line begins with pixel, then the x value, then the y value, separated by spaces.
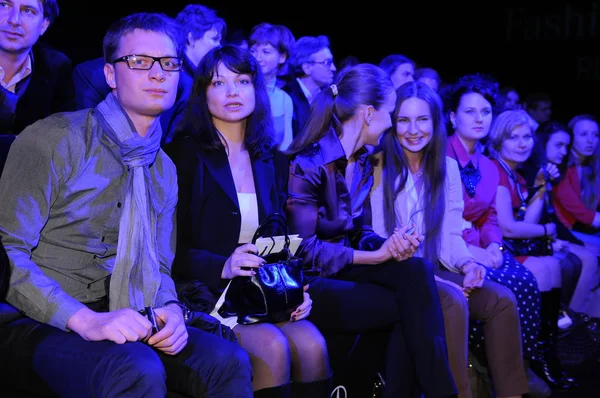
pixel 275 291
pixel 538 247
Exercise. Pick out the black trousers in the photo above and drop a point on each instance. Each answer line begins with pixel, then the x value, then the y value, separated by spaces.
pixel 398 296
pixel 44 360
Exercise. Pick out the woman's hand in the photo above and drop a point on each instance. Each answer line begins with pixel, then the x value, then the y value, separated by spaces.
pixel 481 255
pixel 303 310
pixel 495 255
pixel 474 277
pixel 553 173
pixel 401 245
pixel 560 246
pixel 550 230
pixel 242 262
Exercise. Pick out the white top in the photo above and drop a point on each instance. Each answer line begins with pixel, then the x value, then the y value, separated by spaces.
pixel 249 215
pixel 409 209
pixel 282 110
pixel 20 75
pixel 248 226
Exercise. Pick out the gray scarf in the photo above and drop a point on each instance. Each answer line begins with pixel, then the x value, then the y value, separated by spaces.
pixel 135 276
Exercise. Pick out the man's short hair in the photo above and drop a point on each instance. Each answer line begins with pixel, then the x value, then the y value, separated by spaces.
pixel 304 48
pixel 391 62
pixel 50 8
pixel 197 20
pixel 279 36
pixel 153 22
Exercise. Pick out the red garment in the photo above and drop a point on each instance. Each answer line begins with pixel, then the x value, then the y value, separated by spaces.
pixel 515 199
pixel 512 188
pixel 568 202
pixel 481 208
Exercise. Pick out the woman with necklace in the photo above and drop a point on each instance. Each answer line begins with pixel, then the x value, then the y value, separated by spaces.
pixel 469 104
pixel 416 183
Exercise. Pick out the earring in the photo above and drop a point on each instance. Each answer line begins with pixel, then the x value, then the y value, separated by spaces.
pixel 453 125
pixel 368 121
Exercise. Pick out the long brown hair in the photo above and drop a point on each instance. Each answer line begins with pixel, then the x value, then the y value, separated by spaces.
pixel 362 84
pixel 395 169
pixel 590 167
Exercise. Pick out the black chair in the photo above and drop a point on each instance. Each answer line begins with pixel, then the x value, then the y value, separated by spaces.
pixel 6 141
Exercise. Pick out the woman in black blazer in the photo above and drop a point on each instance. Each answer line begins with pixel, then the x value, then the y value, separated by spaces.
pixel 230 179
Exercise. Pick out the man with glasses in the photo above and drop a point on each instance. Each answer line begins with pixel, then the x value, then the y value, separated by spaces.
pixel 35 80
pixel 201 30
pixel 312 62
pixel 88 225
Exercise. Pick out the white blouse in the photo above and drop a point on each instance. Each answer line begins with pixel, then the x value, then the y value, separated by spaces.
pixel 249 214
pixel 409 209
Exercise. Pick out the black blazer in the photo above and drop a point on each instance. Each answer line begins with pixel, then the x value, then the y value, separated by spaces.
pixel 50 89
pixel 208 213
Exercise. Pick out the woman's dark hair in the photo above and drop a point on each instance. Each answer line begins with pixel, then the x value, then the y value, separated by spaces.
pixel 395 168
pixel 590 167
pixel 197 120
pixel 539 158
pixel 542 136
pixel 362 84
pixel 475 83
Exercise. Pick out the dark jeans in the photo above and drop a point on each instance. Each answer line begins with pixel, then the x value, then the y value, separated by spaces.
pixel 42 359
pixel 397 296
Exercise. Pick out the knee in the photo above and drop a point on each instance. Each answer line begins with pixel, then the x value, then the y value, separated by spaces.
pixel 276 347
pixel 505 300
pixel 235 360
pixel 417 267
pixel 137 363
pixel 454 304
pixel 589 262
pixel 310 346
pixel 543 279
pixel 528 278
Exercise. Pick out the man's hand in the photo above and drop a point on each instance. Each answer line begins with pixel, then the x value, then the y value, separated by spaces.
pixel 173 335
pixel 119 326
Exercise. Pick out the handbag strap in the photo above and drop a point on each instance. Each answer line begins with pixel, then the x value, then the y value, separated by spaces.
pixel 278 219
pixel 531 192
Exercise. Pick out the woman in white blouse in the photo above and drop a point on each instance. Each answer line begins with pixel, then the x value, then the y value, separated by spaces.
pixel 416 184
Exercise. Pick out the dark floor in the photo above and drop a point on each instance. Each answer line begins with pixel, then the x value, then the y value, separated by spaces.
pixel 587 373
pixel 588 377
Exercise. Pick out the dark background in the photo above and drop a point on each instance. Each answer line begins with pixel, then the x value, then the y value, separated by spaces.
pixel 529 45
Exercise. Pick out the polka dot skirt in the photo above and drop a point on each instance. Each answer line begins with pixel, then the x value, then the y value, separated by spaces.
pixel 523 284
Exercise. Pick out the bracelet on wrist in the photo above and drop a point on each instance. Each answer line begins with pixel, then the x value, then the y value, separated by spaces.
pixel 186 311
pixel 545 230
pixel 466 264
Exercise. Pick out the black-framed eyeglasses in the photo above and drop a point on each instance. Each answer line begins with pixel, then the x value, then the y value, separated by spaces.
pixel 327 63
pixel 146 62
